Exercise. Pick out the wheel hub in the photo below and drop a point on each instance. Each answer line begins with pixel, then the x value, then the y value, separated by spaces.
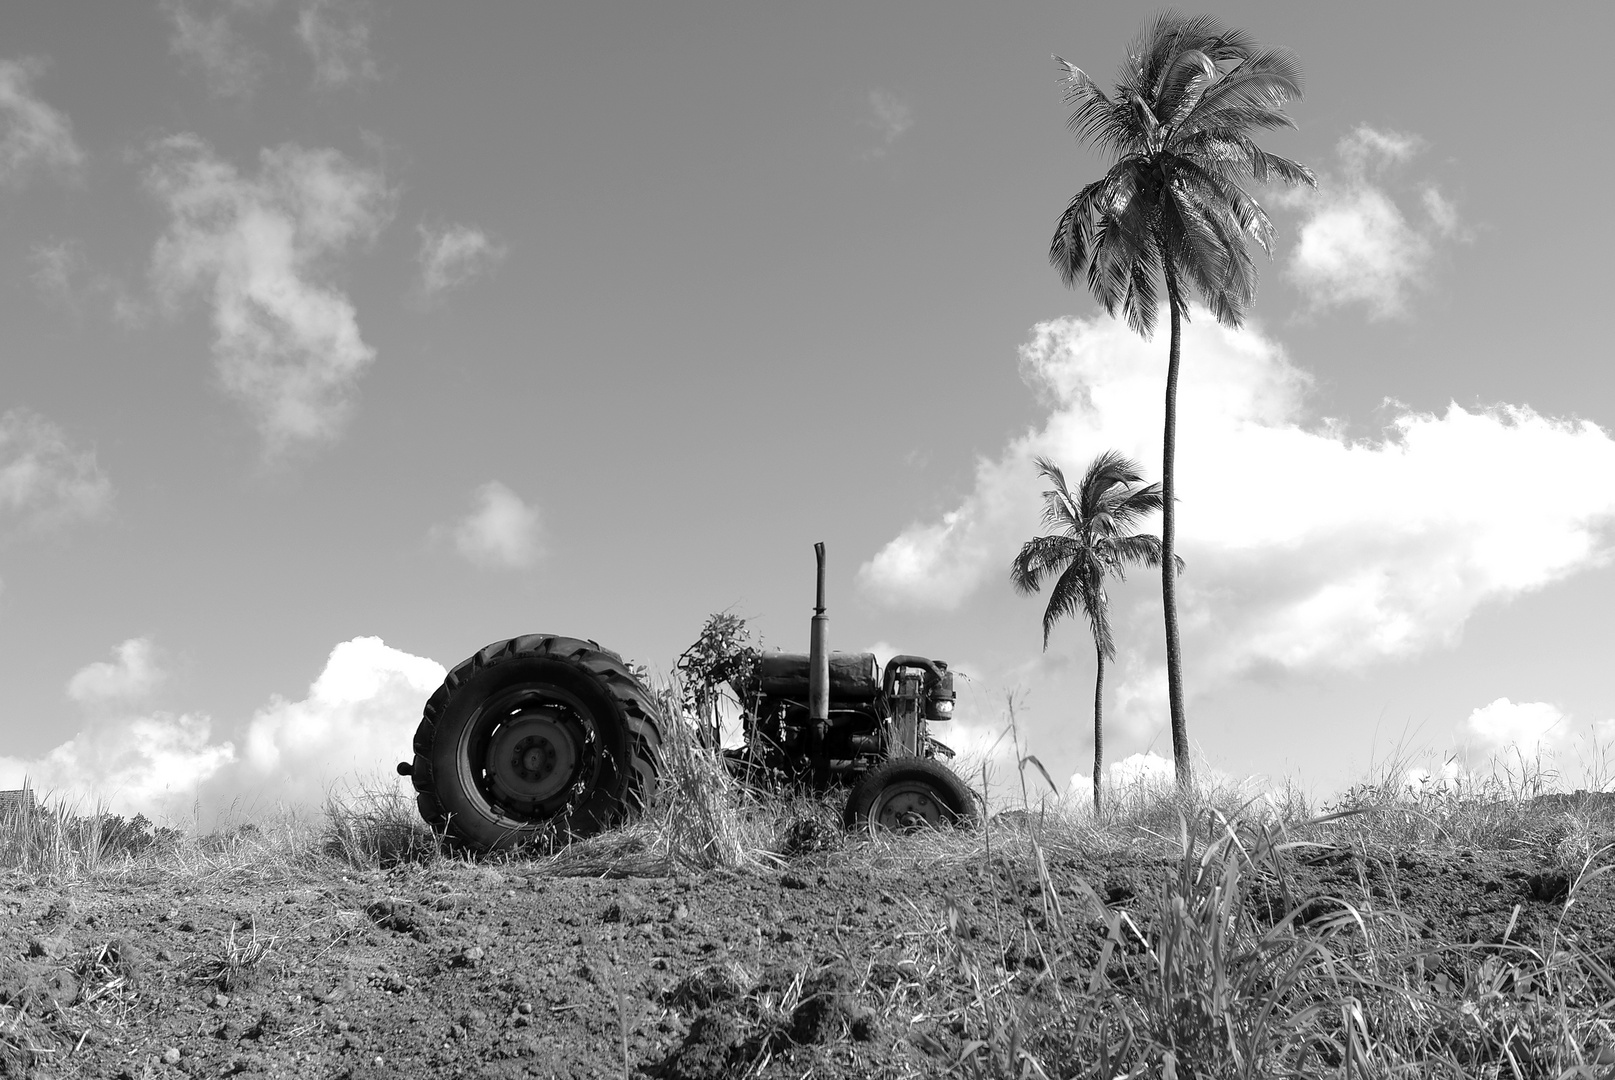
pixel 908 806
pixel 534 756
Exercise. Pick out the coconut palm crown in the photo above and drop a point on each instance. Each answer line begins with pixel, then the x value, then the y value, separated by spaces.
pixel 1173 210
pixel 1174 204
pixel 1091 539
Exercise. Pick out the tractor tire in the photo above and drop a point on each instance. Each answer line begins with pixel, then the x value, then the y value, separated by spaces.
pixel 907 793
pixel 535 736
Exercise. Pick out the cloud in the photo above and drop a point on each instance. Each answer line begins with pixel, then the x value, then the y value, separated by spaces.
pixel 63 275
pixel 338 40
pixel 358 717
pixel 1355 244
pixel 138 764
pixel 501 531
pixel 356 720
pixel 891 118
pixel 452 256
pixel 44 479
pixel 57 263
pixel 1306 550
pixel 1528 726
pixel 210 41
pixel 132 676
pixel 1147 770
pixel 33 136
pixel 287 342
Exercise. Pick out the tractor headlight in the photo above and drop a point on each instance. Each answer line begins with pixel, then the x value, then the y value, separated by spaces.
pixel 942 710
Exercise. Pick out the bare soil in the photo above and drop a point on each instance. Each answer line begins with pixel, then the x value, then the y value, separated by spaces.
pixel 825 966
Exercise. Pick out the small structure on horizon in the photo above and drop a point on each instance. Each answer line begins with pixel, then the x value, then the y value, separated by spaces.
pixel 18 802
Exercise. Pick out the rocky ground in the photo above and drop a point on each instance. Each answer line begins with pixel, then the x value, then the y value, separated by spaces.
pixel 856 961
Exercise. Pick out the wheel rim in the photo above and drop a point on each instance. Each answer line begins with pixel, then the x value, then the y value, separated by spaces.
pixel 532 751
pixel 910 804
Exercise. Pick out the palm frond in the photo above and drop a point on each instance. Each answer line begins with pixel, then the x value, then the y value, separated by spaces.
pixel 1183 84
pixel 1105 472
pixel 1266 80
pixel 1140 300
pixel 1039 558
pixel 1069 251
pixel 1080 590
pixel 1141 549
pixel 1190 238
pixel 1209 187
pixel 1134 505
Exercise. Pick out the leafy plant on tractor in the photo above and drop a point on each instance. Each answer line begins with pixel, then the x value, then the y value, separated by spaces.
pixel 722 654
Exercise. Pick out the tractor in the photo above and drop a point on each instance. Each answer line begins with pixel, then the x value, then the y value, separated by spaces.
pixel 555 736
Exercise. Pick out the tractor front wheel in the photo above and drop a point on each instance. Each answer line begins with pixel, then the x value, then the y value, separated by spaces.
pixel 909 793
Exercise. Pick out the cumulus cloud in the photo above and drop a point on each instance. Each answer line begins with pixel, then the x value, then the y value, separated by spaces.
pixel 356 720
pixel 338 39
pixel 44 479
pixel 1527 726
pixel 1356 245
pixel 287 342
pixel 358 717
pixel 33 135
pixel 451 257
pixel 148 764
pixel 891 118
pixel 1510 741
pixel 131 675
pixel 1147 770
pixel 1307 550
pixel 205 35
pixel 501 532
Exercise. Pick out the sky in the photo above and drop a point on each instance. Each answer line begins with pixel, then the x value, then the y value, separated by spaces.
pixel 346 337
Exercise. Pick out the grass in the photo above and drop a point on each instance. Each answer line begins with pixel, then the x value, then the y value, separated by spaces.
pixel 1199 976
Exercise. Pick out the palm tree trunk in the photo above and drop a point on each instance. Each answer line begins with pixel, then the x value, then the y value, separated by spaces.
pixel 1169 573
pixel 1098 726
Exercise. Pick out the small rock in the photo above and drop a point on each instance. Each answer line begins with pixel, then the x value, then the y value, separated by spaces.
pixel 525 1008
pixel 52 948
pixel 171 1055
pixel 468 958
pixel 681 911
pixel 219 1001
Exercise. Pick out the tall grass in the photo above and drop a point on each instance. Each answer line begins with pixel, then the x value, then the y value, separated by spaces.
pixel 1198 981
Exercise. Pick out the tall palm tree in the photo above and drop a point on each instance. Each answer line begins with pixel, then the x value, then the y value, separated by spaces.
pixel 1172 210
pixel 1093 540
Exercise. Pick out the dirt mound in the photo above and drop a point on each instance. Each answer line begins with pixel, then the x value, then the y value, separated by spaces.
pixel 826 964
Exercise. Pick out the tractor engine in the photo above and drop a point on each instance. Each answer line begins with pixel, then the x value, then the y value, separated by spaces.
pixel 872 715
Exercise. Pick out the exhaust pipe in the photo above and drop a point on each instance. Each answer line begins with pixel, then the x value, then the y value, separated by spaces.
pixel 819 664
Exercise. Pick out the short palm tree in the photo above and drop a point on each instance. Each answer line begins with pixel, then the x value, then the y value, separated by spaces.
pixel 1172 210
pixel 1093 540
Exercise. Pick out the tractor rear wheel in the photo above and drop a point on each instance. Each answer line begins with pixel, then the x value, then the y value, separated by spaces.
pixel 537 734
pixel 908 793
